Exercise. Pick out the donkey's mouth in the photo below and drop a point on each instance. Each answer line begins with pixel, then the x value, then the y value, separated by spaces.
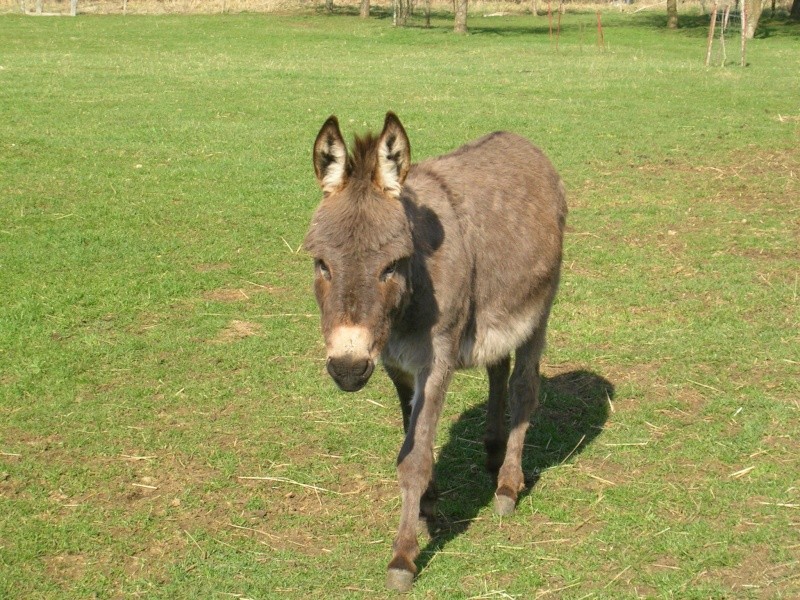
pixel 350 374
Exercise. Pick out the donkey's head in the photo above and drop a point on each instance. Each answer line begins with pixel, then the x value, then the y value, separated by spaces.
pixel 360 238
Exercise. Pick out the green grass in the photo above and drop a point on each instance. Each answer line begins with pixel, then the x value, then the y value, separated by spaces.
pixel 159 341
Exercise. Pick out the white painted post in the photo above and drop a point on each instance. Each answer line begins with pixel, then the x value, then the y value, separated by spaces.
pixel 743 16
pixel 722 33
pixel 73 7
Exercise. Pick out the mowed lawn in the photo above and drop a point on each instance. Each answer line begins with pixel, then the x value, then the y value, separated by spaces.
pixel 159 342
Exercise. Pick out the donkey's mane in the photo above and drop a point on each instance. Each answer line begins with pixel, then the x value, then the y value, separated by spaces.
pixel 363 158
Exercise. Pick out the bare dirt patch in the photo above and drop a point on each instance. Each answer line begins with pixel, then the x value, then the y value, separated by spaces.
pixel 264 534
pixel 210 267
pixel 237 330
pixel 227 295
pixel 757 575
pixel 241 294
pixel 66 568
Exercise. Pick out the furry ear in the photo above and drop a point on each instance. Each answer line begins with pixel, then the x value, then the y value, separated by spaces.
pixel 394 156
pixel 330 156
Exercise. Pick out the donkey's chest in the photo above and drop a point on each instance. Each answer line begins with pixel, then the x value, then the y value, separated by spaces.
pixel 410 351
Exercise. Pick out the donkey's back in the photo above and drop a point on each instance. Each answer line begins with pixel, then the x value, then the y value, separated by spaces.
pixel 505 201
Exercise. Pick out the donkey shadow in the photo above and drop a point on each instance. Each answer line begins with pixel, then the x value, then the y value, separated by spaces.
pixel 572 411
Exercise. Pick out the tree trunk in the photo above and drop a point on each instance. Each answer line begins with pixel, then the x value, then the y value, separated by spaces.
pixel 461 16
pixel 795 13
pixel 401 11
pixel 753 8
pixel 329 6
pixel 672 14
pixel 364 13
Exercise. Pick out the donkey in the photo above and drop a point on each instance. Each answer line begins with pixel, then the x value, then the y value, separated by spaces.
pixel 446 264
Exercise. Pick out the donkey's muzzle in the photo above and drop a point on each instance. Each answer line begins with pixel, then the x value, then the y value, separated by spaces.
pixel 350 374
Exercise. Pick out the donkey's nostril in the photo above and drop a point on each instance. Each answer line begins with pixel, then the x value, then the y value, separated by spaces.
pixel 362 367
pixel 349 374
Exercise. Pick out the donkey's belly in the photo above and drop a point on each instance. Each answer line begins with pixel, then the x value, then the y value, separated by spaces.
pixel 496 336
pixel 491 337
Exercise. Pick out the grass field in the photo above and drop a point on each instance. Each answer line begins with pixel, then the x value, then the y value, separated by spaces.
pixel 159 341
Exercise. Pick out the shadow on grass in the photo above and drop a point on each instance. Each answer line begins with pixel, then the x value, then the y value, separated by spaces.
pixel 777 26
pixel 691 25
pixel 442 21
pixel 696 25
pixel 572 413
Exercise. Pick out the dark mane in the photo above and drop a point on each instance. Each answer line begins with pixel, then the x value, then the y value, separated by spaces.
pixel 363 158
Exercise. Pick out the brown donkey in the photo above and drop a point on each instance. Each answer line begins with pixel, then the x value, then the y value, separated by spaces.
pixel 437 266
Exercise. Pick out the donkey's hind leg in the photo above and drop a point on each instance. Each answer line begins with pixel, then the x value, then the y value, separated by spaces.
pixel 524 396
pixel 496 430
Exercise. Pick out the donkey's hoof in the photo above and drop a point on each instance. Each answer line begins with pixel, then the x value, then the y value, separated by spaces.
pixel 504 505
pixel 399 580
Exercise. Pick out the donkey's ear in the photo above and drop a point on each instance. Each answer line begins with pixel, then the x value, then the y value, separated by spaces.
pixel 330 156
pixel 394 156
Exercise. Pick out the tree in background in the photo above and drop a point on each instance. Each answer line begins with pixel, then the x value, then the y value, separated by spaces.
pixel 672 14
pixel 364 12
pixel 795 13
pixel 461 17
pixel 401 10
pixel 753 9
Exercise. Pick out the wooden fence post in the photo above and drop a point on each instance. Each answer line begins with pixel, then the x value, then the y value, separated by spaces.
pixel 558 29
pixel 601 40
pixel 711 26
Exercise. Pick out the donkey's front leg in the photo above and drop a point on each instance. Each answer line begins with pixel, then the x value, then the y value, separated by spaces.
pixel 415 471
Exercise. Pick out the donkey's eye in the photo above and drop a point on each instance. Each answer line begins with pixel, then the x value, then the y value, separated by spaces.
pixel 322 268
pixel 389 271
